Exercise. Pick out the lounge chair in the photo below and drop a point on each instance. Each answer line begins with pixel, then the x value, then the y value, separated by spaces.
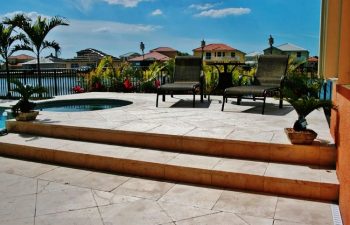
pixel 267 81
pixel 187 78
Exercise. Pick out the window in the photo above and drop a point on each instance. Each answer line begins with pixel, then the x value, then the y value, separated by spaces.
pixel 223 54
pixel 233 54
pixel 74 65
pixel 298 54
pixel 219 54
pixel 208 55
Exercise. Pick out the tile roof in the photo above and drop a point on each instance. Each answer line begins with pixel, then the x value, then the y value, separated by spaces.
pixel 290 47
pixel 163 49
pixel 151 56
pixel 217 47
pixel 22 57
pixel 129 54
pixel 312 59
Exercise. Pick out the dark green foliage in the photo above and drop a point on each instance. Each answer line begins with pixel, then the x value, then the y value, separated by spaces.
pixel 302 93
pixel 25 91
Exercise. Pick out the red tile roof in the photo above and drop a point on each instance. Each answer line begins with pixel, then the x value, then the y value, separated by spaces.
pixel 312 59
pixel 163 49
pixel 22 57
pixel 152 56
pixel 216 47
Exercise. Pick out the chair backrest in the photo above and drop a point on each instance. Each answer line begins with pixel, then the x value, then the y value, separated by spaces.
pixel 270 69
pixel 187 68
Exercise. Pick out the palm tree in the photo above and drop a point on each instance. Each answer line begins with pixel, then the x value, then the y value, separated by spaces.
pixel 36 32
pixel 6 48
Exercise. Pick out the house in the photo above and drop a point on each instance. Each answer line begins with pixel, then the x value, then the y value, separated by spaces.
pixel 89 57
pixel 160 54
pixel 296 52
pixel 15 62
pixel 219 52
pixel 129 55
pixel 170 52
pixel 252 57
pixel 49 62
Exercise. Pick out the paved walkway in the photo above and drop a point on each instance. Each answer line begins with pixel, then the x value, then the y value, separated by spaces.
pixel 35 193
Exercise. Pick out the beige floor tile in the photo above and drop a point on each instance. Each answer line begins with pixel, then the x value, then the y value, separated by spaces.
pixel 221 218
pixel 77 217
pixel 169 129
pixel 296 172
pixel 282 222
pixel 247 204
pixel 24 221
pixel 217 132
pixel 242 166
pixel 19 207
pixel 251 135
pixel 100 181
pixel 143 188
pixel 181 212
pixel 107 198
pixel 303 211
pixel 252 220
pixel 14 185
pixel 192 196
pixel 64 175
pixel 197 161
pixel 24 168
pixel 64 200
pixel 145 212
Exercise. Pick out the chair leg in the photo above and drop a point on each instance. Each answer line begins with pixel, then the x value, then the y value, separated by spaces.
pixel 194 99
pixel 157 99
pixel 163 98
pixel 224 98
pixel 202 95
pixel 263 108
pixel 239 99
pixel 281 101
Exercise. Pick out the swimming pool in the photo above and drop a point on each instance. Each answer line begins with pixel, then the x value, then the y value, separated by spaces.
pixel 70 105
pixel 79 105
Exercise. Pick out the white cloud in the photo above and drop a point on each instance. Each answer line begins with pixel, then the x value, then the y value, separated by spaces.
pixel 157 12
pixel 125 3
pixel 202 6
pixel 31 15
pixel 219 13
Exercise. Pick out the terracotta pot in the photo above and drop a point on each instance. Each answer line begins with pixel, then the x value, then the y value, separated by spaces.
pixel 29 116
pixel 300 137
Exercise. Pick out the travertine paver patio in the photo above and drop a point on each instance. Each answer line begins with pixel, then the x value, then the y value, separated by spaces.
pixel 35 193
pixel 176 116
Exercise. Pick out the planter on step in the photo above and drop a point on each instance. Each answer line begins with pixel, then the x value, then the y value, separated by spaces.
pixel 28 116
pixel 305 137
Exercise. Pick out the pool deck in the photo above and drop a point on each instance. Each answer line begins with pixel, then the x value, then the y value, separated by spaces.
pixel 43 193
pixel 176 116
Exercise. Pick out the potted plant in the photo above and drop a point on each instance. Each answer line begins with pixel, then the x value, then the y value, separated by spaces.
pixel 23 110
pixel 302 93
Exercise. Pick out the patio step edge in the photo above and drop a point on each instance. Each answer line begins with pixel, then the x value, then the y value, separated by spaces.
pixel 327 190
pixel 317 154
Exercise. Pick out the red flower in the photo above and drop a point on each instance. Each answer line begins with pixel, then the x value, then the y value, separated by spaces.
pixel 78 89
pixel 128 85
pixel 157 83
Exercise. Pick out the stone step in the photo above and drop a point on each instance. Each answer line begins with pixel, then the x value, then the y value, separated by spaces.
pixel 313 182
pixel 317 154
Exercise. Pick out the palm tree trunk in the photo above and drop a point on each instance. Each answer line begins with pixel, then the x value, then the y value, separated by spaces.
pixel 8 78
pixel 39 72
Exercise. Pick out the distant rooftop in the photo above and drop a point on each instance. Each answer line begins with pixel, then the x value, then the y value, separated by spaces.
pixel 152 56
pixel 290 47
pixel 126 55
pixel 253 54
pixel 22 57
pixel 217 47
pixel 163 49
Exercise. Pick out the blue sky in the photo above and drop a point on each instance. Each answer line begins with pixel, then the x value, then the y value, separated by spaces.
pixel 117 26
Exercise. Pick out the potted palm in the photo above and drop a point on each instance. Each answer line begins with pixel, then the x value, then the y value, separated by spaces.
pixel 23 110
pixel 302 93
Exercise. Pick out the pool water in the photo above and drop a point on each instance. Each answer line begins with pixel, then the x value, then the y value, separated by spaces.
pixel 3 118
pixel 80 105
